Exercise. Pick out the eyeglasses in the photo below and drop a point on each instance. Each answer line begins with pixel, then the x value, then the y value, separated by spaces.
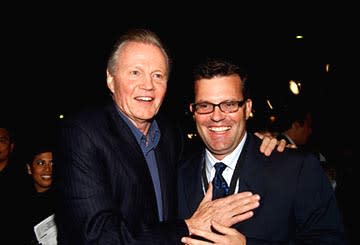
pixel 228 106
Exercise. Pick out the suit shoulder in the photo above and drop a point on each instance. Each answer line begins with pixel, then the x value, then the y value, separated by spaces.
pixel 89 116
pixel 289 155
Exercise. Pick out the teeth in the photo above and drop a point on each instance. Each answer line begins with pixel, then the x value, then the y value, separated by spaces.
pixel 144 98
pixel 219 129
pixel 46 176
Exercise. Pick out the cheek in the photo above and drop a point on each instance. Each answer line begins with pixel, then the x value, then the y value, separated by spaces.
pixel 199 119
pixel 121 90
pixel 36 171
pixel 161 90
pixel 124 86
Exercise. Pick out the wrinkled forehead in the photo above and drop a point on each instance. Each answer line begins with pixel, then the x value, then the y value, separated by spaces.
pixel 134 51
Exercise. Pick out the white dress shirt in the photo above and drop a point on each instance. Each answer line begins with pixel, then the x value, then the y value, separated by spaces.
pixel 230 161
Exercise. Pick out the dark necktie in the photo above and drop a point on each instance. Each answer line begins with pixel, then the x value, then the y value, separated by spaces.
pixel 220 187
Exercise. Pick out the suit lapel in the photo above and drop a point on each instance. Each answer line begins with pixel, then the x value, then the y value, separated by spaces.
pixel 167 173
pixel 194 191
pixel 129 154
pixel 251 174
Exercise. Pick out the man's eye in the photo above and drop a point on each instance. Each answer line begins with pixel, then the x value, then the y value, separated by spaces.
pixel 229 104
pixel 158 76
pixel 204 105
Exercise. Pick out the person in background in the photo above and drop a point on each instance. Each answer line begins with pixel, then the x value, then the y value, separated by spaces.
pixel 42 196
pixel 297 204
pixel 13 188
pixel 116 165
pixel 295 125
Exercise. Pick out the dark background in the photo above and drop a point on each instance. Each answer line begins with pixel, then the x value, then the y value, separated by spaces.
pixel 53 57
pixel 53 61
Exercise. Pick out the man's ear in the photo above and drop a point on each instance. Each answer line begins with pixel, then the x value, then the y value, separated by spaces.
pixel 12 145
pixel 248 104
pixel 296 125
pixel 110 81
pixel 191 111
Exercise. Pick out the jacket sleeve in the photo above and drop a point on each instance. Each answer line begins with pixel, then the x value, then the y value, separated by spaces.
pixel 317 215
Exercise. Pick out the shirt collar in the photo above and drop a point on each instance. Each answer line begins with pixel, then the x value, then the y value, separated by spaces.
pixel 230 160
pixel 289 139
pixel 153 134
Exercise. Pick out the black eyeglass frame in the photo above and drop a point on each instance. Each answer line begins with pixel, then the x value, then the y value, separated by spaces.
pixel 239 103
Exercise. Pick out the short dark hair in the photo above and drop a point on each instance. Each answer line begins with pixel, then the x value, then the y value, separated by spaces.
pixel 295 110
pixel 10 130
pixel 220 67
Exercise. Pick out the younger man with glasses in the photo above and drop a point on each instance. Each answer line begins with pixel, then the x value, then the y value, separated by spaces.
pixel 297 202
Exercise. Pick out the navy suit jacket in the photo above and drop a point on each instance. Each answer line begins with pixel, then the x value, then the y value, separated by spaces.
pixel 297 202
pixel 106 194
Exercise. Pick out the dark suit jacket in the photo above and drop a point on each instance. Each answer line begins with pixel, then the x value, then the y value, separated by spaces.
pixel 297 203
pixel 106 195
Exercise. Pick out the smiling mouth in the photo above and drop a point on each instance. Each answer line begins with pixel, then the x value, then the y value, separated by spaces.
pixel 47 177
pixel 144 98
pixel 219 129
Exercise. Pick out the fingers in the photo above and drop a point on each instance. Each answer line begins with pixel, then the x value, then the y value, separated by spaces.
pixel 227 211
pixel 240 198
pixel 238 201
pixel 221 228
pixel 292 146
pixel 235 208
pixel 193 241
pixel 229 235
pixel 272 143
pixel 267 145
pixel 261 136
pixel 223 235
pixel 281 146
pixel 237 196
pixel 203 214
pixel 208 195
pixel 240 218
pixel 237 215
pixel 199 236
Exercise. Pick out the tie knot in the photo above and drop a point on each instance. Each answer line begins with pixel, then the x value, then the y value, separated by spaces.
pixel 219 167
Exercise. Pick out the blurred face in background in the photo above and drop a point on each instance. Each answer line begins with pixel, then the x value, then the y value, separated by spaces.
pixel 221 131
pixel 303 131
pixel 40 170
pixel 6 147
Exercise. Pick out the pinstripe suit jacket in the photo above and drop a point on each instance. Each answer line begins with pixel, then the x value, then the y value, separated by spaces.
pixel 106 195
